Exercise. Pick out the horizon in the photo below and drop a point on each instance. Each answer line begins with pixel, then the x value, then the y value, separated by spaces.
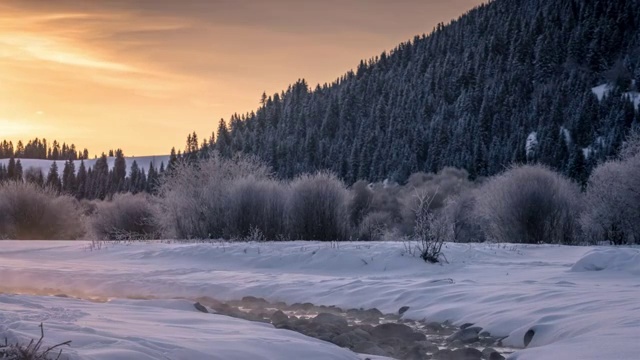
pixel 115 75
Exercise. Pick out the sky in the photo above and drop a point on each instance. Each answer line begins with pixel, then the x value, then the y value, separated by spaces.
pixel 142 74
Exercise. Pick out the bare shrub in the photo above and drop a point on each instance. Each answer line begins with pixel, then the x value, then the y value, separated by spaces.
pixel 317 208
pixel 431 230
pixel 256 206
pixel 613 200
pixel 127 216
pixel 192 196
pixel 29 212
pixel 31 351
pixel 530 204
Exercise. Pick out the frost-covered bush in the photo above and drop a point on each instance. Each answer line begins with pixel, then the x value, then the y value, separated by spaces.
pixel 398 202
pixel 29 212
pixel 127 216
pixel 318 208
pixel 529 204
pixel 361 199
pixel 375 226
pixel 256 205
pixel 613 199
pixel 460 212
pixel 193 196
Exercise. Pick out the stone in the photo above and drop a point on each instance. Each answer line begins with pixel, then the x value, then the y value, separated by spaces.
pixel 467 336
pixel 343 340
pixel 391 330
pixel 466 354
pixel 528 337
pixel 428 346
pixel 495 356
pixel 201 308
pixel 280 305
pixel 434 326
pixel 369 348
pixel 456 344
pixel 368 328
pixel 331 319
pixel 466 325
pixel 415 353
pixel 392 342
pixel 279 317
pixel 371 315
pixel 303 307
pixel 253 301
pixel 361 333
pixel 487 351
pixel 444 354
pixel 403 310
pixel 351 339
pixel 329 309
pixel 285 326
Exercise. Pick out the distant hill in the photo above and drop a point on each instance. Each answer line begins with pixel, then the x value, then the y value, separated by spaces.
pixel 511 81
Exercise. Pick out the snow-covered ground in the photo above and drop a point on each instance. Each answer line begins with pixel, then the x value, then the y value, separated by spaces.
pixel 142 161
pixel 582 302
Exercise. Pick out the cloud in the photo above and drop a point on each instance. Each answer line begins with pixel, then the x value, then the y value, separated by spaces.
pixel 125 67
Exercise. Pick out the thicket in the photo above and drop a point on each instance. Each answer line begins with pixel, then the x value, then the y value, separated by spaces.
pixel 613 198
pixel 529 204
pixel 239 198
pixel 29 212
pixel 126 217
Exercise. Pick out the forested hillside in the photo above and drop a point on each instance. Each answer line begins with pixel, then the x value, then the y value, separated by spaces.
pixel 509 82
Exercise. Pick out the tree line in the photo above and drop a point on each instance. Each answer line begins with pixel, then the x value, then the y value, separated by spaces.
pixel 41 149
pixel 89 182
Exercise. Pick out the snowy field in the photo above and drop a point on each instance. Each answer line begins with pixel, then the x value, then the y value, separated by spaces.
pixel 582 302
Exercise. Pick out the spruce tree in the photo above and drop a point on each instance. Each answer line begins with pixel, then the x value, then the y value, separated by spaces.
pixel 53 178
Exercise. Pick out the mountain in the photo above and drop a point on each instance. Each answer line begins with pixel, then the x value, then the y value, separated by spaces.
pixel 511 81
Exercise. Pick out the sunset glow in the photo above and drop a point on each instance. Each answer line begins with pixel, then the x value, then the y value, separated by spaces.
pixel 142 74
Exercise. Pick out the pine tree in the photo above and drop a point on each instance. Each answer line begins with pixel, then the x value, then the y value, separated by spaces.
pixel 18 176
pixel 53 178
pixel 100 179
pixel 81 181
pixel 69 184
pixel 119 172
pixel 134 178
pixel 11 169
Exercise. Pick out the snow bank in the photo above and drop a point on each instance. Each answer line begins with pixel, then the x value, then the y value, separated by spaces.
pixel 614 259
pixel 506 289
pixel 137 329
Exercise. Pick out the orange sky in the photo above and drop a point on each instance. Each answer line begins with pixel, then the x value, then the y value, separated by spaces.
pixel 141 74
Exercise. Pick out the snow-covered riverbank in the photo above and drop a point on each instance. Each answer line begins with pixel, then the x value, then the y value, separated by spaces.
pixel 582 302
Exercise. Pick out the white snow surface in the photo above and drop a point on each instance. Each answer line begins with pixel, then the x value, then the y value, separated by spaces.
pixel 601 90
pixel 582 302
pixel 44 165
